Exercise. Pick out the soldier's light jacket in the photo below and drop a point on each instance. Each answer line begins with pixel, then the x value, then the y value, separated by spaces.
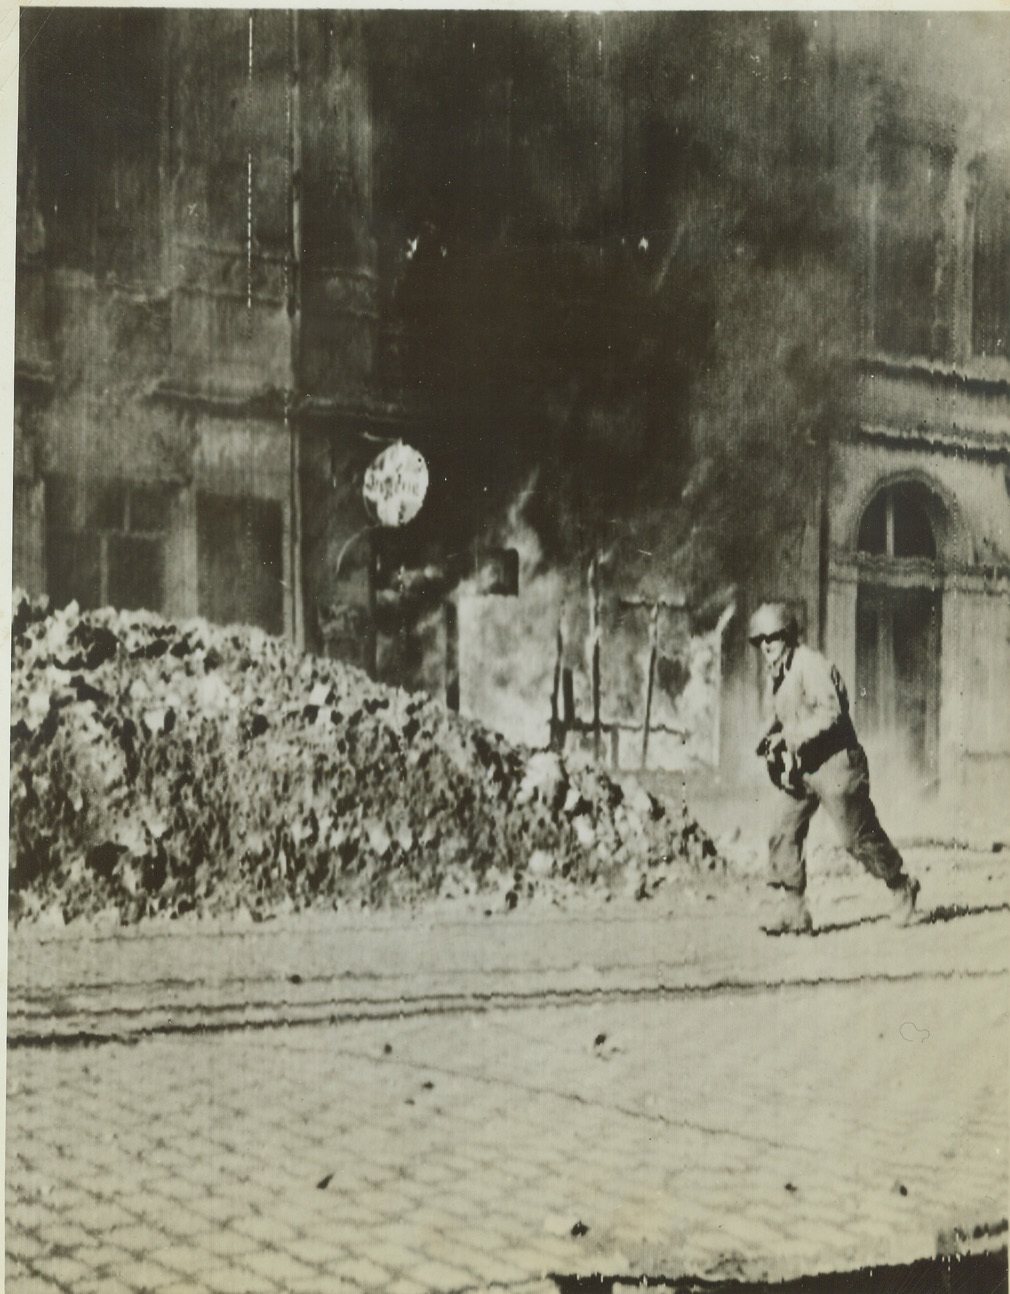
pixel 812 708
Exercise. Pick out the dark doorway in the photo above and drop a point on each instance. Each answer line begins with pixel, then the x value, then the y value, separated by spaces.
pixel 898 628
pixel 897 671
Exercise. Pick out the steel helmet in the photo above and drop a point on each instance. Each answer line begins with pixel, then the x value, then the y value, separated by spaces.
pixel 772 618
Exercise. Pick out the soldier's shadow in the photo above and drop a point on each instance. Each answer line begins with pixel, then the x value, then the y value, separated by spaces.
pixel 954 910
pixel 928 916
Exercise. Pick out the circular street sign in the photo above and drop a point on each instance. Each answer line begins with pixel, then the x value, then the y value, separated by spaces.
pixel 395 485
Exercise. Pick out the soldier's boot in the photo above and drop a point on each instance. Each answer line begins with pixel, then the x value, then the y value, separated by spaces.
pixel 792 916
pixel 904 898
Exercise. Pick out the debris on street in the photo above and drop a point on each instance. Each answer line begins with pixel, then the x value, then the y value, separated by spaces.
pixel 164 769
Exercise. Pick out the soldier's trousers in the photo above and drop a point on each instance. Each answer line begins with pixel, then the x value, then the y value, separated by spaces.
pixel 842 786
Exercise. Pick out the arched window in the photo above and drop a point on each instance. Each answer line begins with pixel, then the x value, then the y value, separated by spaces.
pixel 897 523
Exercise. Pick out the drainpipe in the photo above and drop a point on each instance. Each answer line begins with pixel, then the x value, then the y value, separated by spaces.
pixel 824 519
pixel 294 307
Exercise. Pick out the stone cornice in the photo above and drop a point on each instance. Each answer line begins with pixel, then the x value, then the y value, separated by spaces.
pixel 974 381
pixel 862 568
pixel 272 404
pixel 365 413
pixel 266 404
pixel 961 442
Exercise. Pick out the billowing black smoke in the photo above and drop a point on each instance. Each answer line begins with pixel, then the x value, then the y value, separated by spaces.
pixel 624 255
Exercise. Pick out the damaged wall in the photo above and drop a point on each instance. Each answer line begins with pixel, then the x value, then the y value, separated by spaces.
pixel 575 660
pixel 192 251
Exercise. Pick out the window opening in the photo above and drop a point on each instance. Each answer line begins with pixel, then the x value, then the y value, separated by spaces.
pixel 912 289
pixel 105 543
pixel 990 321
pixel 896 524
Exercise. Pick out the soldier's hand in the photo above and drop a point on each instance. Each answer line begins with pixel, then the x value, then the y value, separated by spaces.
pixel 769 743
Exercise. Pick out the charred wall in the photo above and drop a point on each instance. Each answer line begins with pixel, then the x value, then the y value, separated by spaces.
pixel 194 268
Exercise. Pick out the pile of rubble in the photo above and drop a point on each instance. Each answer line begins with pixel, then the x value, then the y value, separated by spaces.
pixel 163 769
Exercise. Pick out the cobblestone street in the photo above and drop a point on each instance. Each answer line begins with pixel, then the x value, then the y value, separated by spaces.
pixel 455 1104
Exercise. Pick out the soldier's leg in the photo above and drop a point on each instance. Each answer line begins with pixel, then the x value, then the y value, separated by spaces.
pixel 843 783
pixel 787 864
pixel 787 868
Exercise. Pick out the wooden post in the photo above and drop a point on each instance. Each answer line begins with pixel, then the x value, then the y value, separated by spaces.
pixel 452 655
pixel 823 543
pixel 372 648
pixel 720 633
pixel 557 740
pixel 650 679
pixel 567 699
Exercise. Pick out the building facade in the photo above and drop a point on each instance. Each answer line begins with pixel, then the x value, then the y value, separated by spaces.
pixel 196 308
pixel 918 570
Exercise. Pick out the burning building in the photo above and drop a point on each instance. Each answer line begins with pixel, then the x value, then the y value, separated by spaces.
pixel 683 310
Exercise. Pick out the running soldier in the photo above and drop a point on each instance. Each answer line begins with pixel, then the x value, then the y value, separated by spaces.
pixel 814 758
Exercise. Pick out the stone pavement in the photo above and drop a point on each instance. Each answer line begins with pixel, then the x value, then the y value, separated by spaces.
pixel 453 1102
